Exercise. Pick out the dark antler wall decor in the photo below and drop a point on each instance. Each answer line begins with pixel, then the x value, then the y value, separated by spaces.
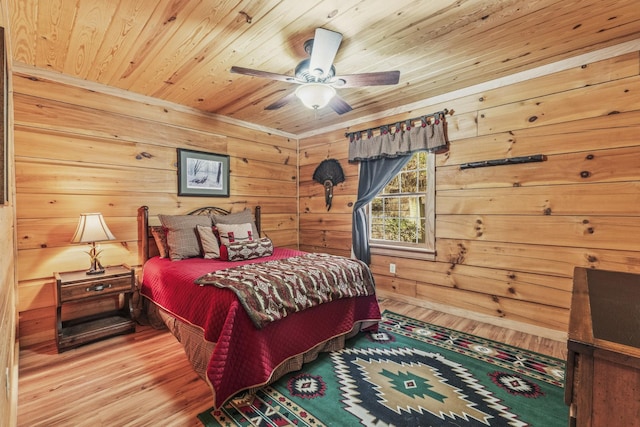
pixel 502 162
pixel 328 173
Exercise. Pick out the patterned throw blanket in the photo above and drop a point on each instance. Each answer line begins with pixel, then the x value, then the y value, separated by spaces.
pixel 271 290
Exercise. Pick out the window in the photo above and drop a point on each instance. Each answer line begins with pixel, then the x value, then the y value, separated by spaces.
pixel 401 216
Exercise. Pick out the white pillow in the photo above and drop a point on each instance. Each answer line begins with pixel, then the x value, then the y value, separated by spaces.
pixel 230 233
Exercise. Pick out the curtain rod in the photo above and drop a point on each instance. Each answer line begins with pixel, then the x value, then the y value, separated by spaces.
pixel 424 116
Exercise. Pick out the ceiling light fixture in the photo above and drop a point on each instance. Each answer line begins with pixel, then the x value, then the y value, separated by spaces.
pixel 315 95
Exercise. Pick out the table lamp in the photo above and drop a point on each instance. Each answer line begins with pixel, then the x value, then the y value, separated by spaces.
pixel 91 229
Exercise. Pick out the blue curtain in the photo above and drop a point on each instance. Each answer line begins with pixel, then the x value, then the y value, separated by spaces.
pixel 374 176
pixel 381 157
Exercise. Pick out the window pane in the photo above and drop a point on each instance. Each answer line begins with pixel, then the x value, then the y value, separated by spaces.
pixel 377 230
pixel 392 187
pixel 413 163
pixel 422 181
pixel 376 208
pixel 408 231
pixel 422 160
pixel 391 205
pixel 398 213
pixel 390 229
pixel 409 182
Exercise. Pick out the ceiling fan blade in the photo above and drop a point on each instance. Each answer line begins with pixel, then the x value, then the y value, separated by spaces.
pixel 263 74
pixel 325 47
pixel 339 105
pixel 281 102
pixel 381 78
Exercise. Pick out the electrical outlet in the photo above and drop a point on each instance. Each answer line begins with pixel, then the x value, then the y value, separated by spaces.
pixel 392 268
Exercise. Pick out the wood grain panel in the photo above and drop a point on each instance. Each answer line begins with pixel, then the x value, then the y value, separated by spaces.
pixel 35 174
pixel 244 186
pixel 35 294
pixel 326 222
pixel 326 241
pixel 94 19
pixel 86 149
pixel 538 258
pixel 595 199
pixel 612 165
pixel 572 231
pixel 574 78
pixel 509 309
pixel 37 326
pixel 534 288
pixel 622 96
pixel 43 262
pixel 56 116
pixel 67 205
pixel 256 169
pixel 327 149
pixel 340 204
pixel 266 152
pixel 54 232
pixel 34 82
pixel 611 131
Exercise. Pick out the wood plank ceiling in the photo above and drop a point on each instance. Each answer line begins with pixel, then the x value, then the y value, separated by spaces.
pixel 181 50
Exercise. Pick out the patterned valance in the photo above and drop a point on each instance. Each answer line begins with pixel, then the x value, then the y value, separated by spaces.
pixel 400 139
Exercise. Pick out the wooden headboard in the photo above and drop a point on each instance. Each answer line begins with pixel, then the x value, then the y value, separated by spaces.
pixel 147 245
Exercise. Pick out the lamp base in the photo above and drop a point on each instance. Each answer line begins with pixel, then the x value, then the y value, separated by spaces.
pixel 96 267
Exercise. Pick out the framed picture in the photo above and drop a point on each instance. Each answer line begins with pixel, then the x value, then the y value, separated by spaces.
pixel 202 174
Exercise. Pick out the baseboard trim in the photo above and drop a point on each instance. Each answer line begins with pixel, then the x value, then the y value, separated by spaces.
pixel 540 331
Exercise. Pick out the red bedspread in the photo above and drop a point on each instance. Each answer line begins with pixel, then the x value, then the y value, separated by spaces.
pixel 244 356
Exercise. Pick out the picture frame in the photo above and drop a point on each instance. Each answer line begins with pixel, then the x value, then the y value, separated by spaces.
pixel 202 174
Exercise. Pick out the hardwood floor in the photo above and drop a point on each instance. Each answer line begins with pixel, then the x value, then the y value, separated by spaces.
pixel 144 379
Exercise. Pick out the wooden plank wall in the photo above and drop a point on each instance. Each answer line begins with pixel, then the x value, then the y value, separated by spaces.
pixel 81 149
pixel 9 346
pixel 509 237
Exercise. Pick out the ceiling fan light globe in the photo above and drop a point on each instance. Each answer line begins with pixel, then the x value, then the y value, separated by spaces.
pixel 315 95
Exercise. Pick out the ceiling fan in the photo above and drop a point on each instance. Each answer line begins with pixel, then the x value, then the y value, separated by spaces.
pixel 317 77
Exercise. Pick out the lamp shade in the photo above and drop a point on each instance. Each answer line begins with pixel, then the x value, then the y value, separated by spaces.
pixel 92 228
pixel 315 95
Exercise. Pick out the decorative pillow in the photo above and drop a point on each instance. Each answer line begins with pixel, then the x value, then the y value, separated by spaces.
pixel 160 237
pixel 209 242
pixel 182 236
pixel 230 233
pixel 238 251
pixel 242 217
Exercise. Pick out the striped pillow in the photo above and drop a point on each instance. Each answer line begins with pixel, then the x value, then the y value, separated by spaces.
pixel 182 235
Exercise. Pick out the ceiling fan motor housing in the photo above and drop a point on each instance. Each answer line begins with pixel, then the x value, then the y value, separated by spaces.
pixel 304 74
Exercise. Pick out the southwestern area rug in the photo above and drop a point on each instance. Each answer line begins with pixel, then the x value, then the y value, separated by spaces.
pixel 411 373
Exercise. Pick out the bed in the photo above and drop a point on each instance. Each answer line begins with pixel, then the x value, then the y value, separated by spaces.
pixel 239 340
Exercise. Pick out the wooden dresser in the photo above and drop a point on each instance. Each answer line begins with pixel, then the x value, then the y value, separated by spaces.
pixel 603 363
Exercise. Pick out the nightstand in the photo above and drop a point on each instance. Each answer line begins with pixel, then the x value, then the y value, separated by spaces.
pixel 77 287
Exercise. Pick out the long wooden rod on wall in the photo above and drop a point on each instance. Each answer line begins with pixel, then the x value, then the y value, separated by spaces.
pixel 399 122
pixel 507 161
